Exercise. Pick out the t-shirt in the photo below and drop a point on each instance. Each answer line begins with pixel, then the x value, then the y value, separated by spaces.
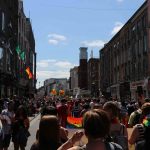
pixel 133 117
pixel 7 115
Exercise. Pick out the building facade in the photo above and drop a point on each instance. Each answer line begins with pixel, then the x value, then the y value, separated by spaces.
pixel 125 59
pixel 93 76
pixel 15 46
pixel 82 70
pixel 74 78
pixel 57 84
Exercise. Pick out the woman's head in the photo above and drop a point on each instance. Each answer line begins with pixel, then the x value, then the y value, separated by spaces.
pixel 49 129
pixel 112 109
pixel 96 124
pixel 21 112
pixel 49 110
pixel 145 109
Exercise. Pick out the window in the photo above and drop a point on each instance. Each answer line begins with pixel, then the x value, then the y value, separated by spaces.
pixel 8 61
pixel 144 21
pixel 3 21
pixel 1 55
pixel 145 43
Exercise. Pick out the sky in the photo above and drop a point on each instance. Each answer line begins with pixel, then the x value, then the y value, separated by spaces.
pixel 61 27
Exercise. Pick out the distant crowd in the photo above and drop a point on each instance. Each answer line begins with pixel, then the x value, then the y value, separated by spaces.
pixel 104 123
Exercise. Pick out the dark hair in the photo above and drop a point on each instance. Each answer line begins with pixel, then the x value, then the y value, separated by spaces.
pixel 96 123
pixel 49 133
pixel 21 111
pixel 49 110
pixel 86 106
pixel 145 109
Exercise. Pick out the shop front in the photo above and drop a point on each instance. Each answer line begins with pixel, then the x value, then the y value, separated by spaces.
pixel 115 91
pixel 138 90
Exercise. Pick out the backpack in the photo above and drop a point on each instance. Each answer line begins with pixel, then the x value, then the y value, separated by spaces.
pixel 140 144
pixel 136 118
pixel 119 138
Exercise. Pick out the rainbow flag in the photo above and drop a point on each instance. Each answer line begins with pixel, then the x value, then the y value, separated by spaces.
pixel 74 122
pixel 29 73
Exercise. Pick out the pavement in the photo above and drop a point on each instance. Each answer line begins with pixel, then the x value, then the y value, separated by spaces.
pixel 32 117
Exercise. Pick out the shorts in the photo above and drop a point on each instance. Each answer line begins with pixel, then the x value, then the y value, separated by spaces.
pixel 4 143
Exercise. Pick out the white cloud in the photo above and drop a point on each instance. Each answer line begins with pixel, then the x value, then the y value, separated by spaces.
pixel 118 26
pixel 45 63
pixel 63 64
pixel 52 63
pixel 42 64
pixel 52 74
pixel 93 44
pixel 55 39
pixel 53 42
pixel 120 0
pixel 51 68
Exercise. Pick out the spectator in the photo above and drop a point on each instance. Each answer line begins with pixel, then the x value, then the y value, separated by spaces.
pixel 50 110
pixel 20 129
pixel 62 113
pixel 141 132
pixel 118 131
pixel 135 116
pixel 6 118
pixel 49 138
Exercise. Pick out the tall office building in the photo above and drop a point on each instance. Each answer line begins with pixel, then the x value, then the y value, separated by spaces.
pixel 82 78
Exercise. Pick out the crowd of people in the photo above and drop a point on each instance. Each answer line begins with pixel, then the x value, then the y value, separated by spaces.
pixel 104 123
pixel 14 121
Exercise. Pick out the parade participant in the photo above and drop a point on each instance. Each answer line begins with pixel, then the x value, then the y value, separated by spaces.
pixel 6 118
pixel 96 126
pixel 86 107
pixel 62 113
pixel 76 109
pixel 49 135
pixel 20 132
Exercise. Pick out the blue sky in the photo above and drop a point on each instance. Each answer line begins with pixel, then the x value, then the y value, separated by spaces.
pixel 61 27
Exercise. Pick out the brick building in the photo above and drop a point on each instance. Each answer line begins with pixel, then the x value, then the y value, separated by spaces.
pixel 125 59
pixel 82 69
pixel 93 76
pixel 16 31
